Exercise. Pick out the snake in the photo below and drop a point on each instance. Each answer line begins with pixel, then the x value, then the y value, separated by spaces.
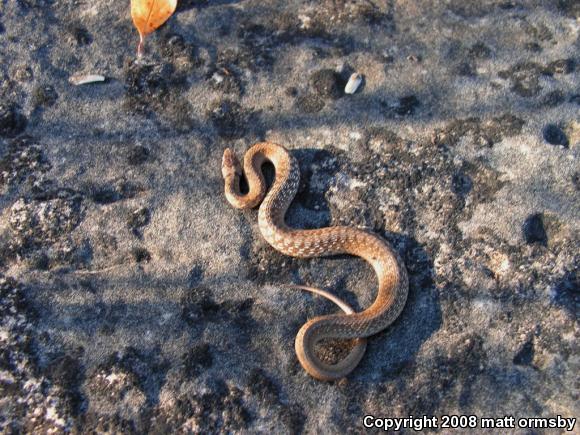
pixel 273 202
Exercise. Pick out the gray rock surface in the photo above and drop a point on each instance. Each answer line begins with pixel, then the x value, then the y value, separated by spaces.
pixel 133 298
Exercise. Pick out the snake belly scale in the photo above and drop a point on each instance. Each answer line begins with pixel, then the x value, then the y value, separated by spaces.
pixel 390 270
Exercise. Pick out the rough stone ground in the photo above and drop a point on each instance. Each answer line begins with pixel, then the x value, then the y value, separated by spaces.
pixel 133 298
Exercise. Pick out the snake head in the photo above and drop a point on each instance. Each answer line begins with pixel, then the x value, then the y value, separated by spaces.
pixel 230 164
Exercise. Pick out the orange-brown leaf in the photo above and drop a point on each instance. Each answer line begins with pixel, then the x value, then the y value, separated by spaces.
pixel 148 15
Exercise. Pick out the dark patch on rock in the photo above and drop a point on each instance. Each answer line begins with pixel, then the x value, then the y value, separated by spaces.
pixel 554 98
pixel 138 155
pixel 195 276
pixel 44 96
pixel 576 180
pixel 357 213
pixel 185 5
pixel 147 86
pixel 196 360
pixel 575 99
pixel 373 15
pixel 327 83
pixel 526 86
pixel 108 194
pixel 39 261
pixel 260 42
pixel 567 291
pixel 309 103
pixel 258 45
pixel 483 182
pixel 533 229
pixel 23 73
pixel 335 15
pixel 67 372
pixel 554 135
pixel 534 47
pixel 293 417
pixel 143 367
pixel 480 51
pixel 407 105
pixel 110 315
pixel 506 125
pixel 115 423
pixel 157 88
pixel 291 91
pixel 229 119
pixel 466 69
pixel 43 221
pixel 13 302
pixel 264 389
pixel 138 218
pixel 288 30
pixel 316 171
pixel 461 183
pixel 383 140
pixel 24 159
pixel 23 387
pixel 104 196
pixel 183 57
pixel 174 46
pixel 570 7
pixel 525 355
pixel 484 133
pixel 524 78
pixel 141 255
pixel 12 122
pixel 555 234
pixel 211 412
pixel 449 373
pixel 178 112
pixel 198 306
pixel 539 32
pixel 469 10
pixel 80 35
pixel 122 390
pixel 262 386
pixel 268 265
pixel 561 66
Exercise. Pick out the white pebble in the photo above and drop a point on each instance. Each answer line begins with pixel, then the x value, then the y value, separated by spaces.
pixel 217 78
pixel 85 79
pixel 353 83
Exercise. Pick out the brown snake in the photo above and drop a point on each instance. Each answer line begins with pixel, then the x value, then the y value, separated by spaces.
pixel 390 270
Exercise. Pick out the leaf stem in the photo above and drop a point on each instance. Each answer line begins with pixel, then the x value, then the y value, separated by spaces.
pixel 140 46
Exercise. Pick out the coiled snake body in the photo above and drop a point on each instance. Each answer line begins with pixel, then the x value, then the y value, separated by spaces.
pixel 391 273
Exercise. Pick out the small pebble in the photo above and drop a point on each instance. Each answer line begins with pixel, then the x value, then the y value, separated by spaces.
pixel 327 83
pixel 217 78
pixel 353 83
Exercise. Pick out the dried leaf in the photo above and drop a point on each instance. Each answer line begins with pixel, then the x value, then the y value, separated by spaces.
pixel 149 15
